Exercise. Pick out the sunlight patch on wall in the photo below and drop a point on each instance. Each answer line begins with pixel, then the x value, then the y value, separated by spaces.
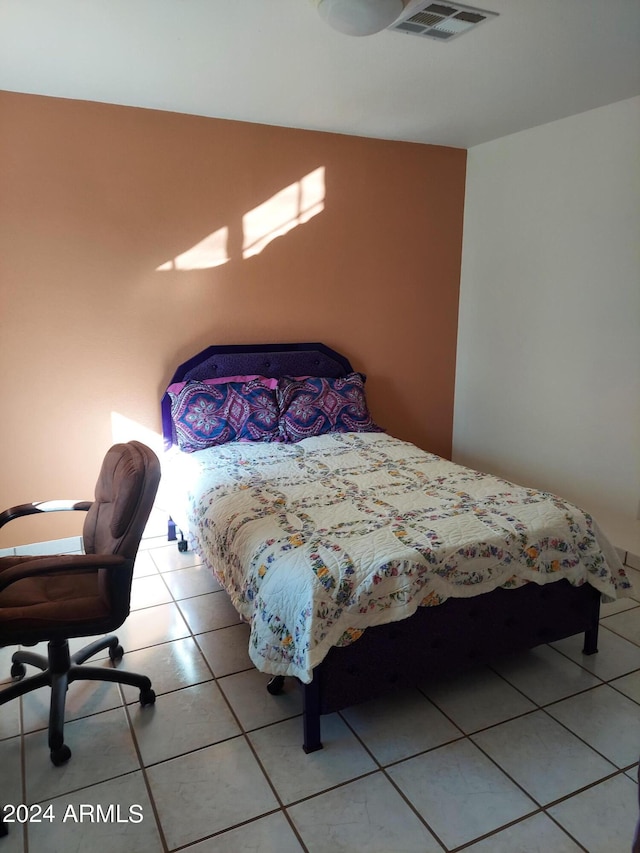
pixel 208 253
pixel 124 429
pixel 292 206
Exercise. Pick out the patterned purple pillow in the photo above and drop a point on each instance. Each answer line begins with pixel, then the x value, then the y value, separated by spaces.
pixel 222 380
pixel 205 415
pixel 314 406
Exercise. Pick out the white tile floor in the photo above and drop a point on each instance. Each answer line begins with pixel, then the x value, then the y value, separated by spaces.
pixel 538 752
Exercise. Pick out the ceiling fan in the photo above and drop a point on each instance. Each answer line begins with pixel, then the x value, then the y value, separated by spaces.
pixel 442 21
pixel 359 17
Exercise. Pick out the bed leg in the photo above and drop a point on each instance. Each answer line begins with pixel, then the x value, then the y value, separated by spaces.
pixel 591 641
pixel 311 717
pixel 172 535
pixel 591 634
pixel 275 685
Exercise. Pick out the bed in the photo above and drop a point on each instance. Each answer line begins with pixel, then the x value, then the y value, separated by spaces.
pixel 363 563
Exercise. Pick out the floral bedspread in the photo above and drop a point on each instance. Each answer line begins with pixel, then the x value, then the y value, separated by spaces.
pixel 316 541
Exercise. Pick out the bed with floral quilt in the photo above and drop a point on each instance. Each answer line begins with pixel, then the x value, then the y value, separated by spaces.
pixel 360 561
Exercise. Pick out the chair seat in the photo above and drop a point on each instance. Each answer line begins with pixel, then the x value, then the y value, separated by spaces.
pixel 41 602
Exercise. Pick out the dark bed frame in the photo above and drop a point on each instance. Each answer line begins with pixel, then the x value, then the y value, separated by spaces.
pixel 435 641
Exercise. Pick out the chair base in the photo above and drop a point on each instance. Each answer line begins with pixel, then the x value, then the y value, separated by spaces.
pixel 58 670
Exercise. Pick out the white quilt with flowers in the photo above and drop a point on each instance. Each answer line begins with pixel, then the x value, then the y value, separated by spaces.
pixel 316 541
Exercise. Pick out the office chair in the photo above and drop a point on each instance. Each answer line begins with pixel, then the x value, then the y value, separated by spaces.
pixel 55 598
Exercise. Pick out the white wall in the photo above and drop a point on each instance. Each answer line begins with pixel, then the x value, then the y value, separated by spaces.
pixel 548 369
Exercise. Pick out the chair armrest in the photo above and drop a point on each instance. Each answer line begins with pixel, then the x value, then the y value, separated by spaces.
pixel 60 563
pixel 41 506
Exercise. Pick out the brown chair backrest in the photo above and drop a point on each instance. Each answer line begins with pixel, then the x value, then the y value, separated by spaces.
pixel 124 496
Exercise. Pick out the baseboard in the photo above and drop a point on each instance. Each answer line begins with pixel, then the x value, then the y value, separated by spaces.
pixel 70 545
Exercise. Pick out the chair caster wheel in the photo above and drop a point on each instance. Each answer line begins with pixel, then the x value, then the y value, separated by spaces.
pixel 116 654
pixel 18 671
pixel 61 755
pixel 275 685
pixel 147 697
pixel 182 545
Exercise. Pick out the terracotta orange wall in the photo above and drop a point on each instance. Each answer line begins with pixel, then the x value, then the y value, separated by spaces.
pixel 94 198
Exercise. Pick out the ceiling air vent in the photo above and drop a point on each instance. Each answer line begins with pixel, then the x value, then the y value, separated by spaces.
pixel 441 21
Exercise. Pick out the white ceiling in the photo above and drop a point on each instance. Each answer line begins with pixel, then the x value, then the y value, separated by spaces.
pixel 276 62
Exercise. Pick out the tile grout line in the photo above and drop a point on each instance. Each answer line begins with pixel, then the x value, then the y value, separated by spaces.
pixel 143 769
pixel 245 735
pixel 383 769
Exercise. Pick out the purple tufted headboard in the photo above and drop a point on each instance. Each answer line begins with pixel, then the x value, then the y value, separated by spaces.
pixel 274 360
